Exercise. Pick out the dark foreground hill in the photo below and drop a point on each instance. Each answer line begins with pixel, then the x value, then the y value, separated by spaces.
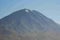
pixel 28 24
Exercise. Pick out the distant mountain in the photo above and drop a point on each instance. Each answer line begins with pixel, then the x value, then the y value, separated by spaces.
pixel 26 21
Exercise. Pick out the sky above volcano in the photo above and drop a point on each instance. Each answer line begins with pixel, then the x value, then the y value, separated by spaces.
pixel 50 8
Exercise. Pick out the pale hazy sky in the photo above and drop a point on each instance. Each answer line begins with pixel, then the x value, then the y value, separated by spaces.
pixel 50 8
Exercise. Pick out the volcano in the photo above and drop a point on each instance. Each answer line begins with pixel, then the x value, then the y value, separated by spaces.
pixel 28 24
